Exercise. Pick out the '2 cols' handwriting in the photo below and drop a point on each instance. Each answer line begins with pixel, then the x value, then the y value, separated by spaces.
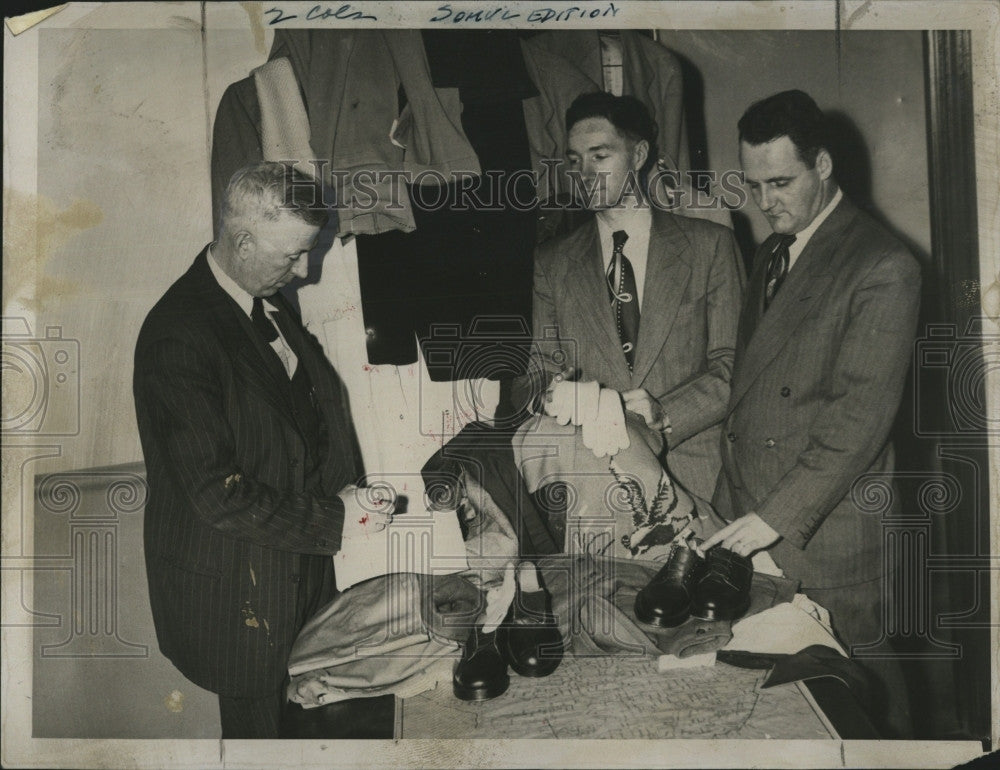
pixel 345 12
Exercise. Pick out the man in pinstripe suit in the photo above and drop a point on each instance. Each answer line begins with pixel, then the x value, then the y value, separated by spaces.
pixel 250 454
pixel 822 352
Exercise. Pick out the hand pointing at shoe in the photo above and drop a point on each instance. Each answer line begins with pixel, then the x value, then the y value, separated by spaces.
pixel 744 536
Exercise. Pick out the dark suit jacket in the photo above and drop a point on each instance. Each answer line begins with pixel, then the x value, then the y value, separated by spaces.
pixel 234 527
pixel 817 383
pixel 687 330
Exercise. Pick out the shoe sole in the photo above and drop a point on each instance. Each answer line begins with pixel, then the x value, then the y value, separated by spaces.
pixel 547 650
pixel 659 621
pixel 481 693
pixel 736 614
pixel 537 672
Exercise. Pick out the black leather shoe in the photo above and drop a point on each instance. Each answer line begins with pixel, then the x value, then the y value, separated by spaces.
pixel 481 673
pixel 723 591
pixel 529 638
pixel 666 600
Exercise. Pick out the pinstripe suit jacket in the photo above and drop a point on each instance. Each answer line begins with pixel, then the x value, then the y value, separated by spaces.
pixel 687 330
pixel 234 529
pixel 817 383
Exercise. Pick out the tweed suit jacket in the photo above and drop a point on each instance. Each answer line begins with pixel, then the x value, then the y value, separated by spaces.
pixel 817 384
pixel 234 527
pixel 687 330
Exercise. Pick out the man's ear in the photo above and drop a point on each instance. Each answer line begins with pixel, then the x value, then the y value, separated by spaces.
pixel 243 243
pixel 640 151
pixel 824 164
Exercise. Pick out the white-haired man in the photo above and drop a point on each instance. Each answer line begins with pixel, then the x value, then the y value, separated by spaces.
pixel 249 451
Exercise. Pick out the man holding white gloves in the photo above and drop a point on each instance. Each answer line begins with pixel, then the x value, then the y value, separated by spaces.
pixel 596 410
pixel 635 311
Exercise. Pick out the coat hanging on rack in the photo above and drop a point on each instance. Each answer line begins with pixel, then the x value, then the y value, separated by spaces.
pixel 650 73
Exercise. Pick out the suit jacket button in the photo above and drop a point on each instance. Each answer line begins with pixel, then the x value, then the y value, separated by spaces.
pixel 769 443
pixel 293 462
pixel 296 578
pixel 786 391
pixel 731 437
pixel 321 543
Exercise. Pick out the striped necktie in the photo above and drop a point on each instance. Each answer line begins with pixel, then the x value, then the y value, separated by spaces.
pixel 624 297
pixel 777 267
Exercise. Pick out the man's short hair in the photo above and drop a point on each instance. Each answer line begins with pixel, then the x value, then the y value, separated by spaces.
pixel 626 113
pixel 267 190
pixel 790 113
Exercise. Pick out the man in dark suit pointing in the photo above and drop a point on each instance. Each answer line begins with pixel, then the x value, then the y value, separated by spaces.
pixel 822 352
pixel 249 451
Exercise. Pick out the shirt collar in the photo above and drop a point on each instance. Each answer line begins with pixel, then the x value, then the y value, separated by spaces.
pixel 635 221
pixel 802 237
pixel 240 296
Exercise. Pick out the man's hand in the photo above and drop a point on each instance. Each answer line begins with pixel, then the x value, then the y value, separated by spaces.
pixel 643 404
pixel 744 536
pixel 568 401
pixel 367 510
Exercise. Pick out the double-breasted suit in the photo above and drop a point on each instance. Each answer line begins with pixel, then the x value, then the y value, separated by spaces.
pixel 816 386
pixel 687 330
pixel 238 532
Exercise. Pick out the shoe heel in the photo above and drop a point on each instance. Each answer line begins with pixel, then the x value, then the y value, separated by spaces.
pixel 495 690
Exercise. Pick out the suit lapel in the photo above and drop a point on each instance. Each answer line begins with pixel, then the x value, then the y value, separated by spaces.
pixel 807 281
pixel 343 461
pixel 667 276
pixel 589 293
pixel 299 341
pixel 753 304
pixel 253 359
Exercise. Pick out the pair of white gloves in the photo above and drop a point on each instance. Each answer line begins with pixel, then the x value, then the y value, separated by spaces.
pixel 598 411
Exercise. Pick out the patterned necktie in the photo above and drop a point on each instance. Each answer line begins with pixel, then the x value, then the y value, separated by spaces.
pixel 261 323
pixel 777 267
pixel 624 297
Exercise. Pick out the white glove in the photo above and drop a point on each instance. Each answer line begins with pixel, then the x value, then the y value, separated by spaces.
pixel 498 600
pixel 568 401
pixel 607 435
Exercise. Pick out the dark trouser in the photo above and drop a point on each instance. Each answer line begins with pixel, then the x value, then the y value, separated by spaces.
pixel 856 615
pixel 486 453
pixel 252 717
pixel 261 716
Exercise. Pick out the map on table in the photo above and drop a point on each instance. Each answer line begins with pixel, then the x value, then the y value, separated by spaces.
pixel 619 697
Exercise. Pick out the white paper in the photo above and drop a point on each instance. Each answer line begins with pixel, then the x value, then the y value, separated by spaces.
pixel 419 540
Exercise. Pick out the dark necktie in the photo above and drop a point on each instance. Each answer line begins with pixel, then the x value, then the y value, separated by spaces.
pixel 624 297
pixel 777 267
pixel 305 408
pixel 261 322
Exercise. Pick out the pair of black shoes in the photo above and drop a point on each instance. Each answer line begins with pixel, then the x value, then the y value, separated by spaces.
pixel 528 641
pixel 714 588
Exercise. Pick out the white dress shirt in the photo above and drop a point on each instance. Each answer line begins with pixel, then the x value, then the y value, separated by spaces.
pixel 802 238
pixel 636 222
pixel 245 300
